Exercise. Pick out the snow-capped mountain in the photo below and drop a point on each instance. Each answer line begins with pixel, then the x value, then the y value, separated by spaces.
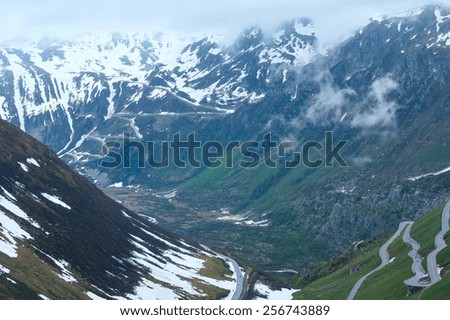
pixel 62 91
pixel 385 90
pixel 62 238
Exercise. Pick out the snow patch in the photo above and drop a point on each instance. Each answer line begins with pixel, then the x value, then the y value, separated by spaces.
pixel 135 128
pixel 11 280
pixel 157 94
pixel 4 113
pixel 23 166
pixel 56 200
pixel 63 265
pixel 177 268
pixel 429 174
pixel 116 185
pixel 9 232
pixel 93 296
pixel 152 291
pixel 33 162
pixel 269 294
pixel 4 270
pixel 304 28
pixel 150 219
pixel 14 209
pixel 172 194
pixel 244 219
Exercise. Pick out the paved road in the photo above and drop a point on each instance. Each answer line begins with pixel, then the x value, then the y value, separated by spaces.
pixel 240 280
pixel 416 267
pixel 439 244
pixel 384 255
pixel 240 277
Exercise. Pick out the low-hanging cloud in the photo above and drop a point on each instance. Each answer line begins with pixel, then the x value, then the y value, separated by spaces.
pixel 334 20
pixel 378 110
pixel 332 105
pixel 328 106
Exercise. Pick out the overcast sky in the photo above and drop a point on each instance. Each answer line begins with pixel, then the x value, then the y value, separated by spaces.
pixel 334 19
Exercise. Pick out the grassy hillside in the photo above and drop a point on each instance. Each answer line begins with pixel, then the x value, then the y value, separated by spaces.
pixel 338 283
pixel 388 282
pixel 35 276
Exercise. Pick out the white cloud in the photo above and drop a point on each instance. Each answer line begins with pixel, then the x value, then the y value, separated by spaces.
pixel 334 20
pixel 361 161
pixel 333 104
pixel 380 112
pixel 329 104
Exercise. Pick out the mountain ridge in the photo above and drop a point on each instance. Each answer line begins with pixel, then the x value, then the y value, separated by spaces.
pixel 55 220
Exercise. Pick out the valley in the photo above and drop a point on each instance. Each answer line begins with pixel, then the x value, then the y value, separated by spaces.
pixel 384 91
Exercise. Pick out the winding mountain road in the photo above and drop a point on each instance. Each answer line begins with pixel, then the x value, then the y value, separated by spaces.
pixel 384 255
pixel 440 244
pixel 416 267
pixel 419 273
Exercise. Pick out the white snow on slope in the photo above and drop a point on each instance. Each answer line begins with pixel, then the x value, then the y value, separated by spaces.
pixel 100 53
pixel 4 270
pixel 8 204
pixel 9 232
pixel 135 128
pixel 148 290
pixel 172 194
pixel 56 200
pixel 283 294
pixel 23 166
pixel 64 75
pixel 63 265
pixel 181 267
pixel 93 296
pixel 4 114
pixel 244 219
pixel 149 218
pixel 116 185
pixel 429 174
pixel 33 162
pixel 440 19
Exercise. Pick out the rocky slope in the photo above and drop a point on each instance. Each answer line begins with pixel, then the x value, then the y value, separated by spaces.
pixel 62 238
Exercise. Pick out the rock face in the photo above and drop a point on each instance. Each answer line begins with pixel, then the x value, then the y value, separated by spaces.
pixel 385 90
